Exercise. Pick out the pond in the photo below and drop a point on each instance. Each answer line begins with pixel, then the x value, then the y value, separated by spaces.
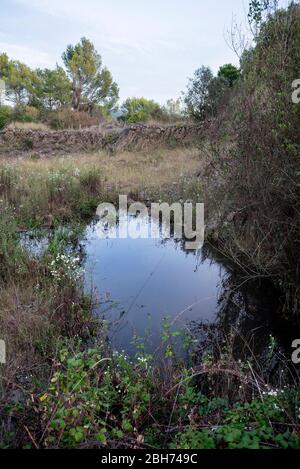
pixel 145 286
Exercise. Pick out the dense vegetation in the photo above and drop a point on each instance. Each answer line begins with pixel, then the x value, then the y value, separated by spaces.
pixel 83 92
pixel 63 387
pixel 256 136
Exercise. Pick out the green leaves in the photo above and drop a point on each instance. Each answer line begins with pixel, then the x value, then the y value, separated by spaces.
pixel 20 80
pixel 5 116
pixel 257 9
pixel 94 398
pixel 140 110
pixel 205 92
pixel 252 425
pixel 54 88
pixel 91 83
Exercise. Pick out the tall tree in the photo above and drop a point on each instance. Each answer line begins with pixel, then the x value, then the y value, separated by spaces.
pixel 91 82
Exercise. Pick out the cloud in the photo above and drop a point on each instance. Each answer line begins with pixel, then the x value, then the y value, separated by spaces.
pixel 32 57
pixel 150 47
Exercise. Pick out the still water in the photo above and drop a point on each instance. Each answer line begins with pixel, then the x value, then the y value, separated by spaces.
pixel 142 284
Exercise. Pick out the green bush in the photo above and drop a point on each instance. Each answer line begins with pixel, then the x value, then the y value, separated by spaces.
pixel 94 397
pixel 140 110
pixel 5 116
pixel 258 424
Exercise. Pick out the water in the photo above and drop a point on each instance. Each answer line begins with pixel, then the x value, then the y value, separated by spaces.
pixel 141 284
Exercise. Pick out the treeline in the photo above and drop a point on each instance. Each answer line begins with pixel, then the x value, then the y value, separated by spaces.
pixel 83 84
pixel 87 87
pixel 201 100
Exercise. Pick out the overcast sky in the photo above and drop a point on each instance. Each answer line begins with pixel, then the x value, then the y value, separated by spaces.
pixel 150 46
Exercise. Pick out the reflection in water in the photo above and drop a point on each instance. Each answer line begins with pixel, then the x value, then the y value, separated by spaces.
pixel 139 282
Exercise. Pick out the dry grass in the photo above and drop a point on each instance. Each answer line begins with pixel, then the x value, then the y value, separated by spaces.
pixel 28 126
pixel 140 170
pixel 58 187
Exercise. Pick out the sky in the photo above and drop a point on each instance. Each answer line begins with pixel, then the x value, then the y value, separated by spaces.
pixel 151 47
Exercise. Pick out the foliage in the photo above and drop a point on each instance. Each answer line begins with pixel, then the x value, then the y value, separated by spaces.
pixel 101 398
pixel 257 424
pixel 5 116
pixel 54 88
pixel 229 74
pixel 140 110
pixel 257 8
pixel 20 80
pixel 205 93
pixel 85 84
pixel 25 113
pixel 12 258
pixel 262 166
pixel 91 82
pixel 196 96
pixel 95 397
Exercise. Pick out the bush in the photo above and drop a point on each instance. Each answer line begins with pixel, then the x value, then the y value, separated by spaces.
pixel 5 116
pixel 140 110
pixel 68 119
pixel 26 114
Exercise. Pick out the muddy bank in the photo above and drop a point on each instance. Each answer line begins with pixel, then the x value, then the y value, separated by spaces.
pixel 135 137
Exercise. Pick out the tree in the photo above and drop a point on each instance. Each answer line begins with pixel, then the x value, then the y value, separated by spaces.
pixel 54 89
pixel 229 74
pixel 20 81
pixel 205 93
pixel 91 82
pixel 140 110
pixel 196 96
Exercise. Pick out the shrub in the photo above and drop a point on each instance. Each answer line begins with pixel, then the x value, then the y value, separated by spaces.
pixel 26 114
pixel 5 116
pixel 140 110
pixel 68 119
pixel 94 397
